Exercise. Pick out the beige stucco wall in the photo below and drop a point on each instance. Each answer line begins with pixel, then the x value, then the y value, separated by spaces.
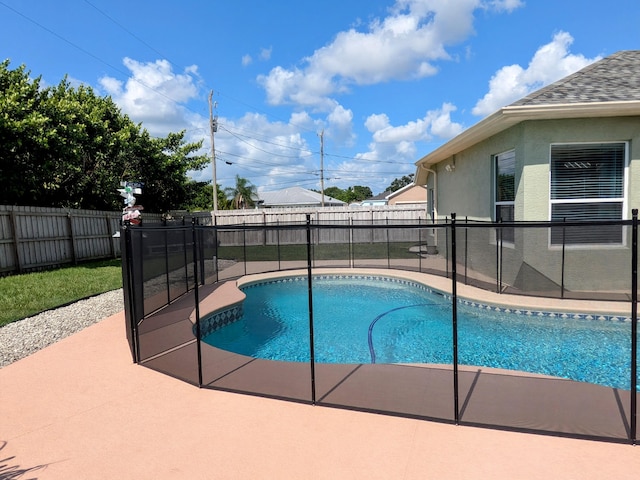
pixel 414 195
pixel 539 135
pixel 467 188
pixel 465 181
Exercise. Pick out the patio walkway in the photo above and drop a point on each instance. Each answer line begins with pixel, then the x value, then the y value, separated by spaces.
pixel 82 410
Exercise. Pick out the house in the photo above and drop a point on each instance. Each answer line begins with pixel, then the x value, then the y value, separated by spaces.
pixel 570 150
pixel 295 197
pixel 411 194
pixel 408 195
pixel 378 200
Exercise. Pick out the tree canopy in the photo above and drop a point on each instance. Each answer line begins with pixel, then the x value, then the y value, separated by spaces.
pixel 355 193
pixel 68 147
pixel 65 146
pixel 398 183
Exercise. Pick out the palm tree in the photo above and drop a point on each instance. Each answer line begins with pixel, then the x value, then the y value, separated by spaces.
pixel 243 195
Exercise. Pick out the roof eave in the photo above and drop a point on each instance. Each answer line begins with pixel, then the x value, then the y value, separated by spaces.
pixel 511 115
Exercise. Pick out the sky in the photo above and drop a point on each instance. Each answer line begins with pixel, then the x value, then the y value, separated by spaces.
pixel 335 92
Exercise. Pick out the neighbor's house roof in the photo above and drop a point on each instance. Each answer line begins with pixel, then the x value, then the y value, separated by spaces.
pixel 607 88
pixel 295 197
pixel 380 199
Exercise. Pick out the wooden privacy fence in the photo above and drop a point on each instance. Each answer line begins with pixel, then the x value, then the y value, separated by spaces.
pixel 330 216
pixel 36 238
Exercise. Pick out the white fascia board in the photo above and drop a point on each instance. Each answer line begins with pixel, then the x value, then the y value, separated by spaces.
pixel 511 115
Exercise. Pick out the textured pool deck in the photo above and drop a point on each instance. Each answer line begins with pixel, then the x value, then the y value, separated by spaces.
pixel 80 409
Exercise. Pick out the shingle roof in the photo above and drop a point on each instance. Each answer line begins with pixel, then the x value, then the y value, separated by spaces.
pixel 607 88
pixel 614 78
pixel 380 196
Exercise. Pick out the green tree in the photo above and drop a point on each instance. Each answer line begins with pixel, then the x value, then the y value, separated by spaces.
pixel 89 143
pixel 355 193
pixel 203 199
pixel 335 192
pixel 358 193
pixel 244 194
pixel 22 139
pixel 398 183
pixel 162 164
pixel 68 147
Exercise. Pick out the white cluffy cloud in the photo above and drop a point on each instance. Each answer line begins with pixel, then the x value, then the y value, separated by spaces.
pixel 551 62
pixel 402 46
pixel 154 94
pixel 393 149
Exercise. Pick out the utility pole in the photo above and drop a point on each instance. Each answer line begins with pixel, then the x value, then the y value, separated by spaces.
pixel 322 166
pixel 213 126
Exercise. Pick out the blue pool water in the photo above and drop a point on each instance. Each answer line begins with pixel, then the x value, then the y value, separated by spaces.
pixel 360 320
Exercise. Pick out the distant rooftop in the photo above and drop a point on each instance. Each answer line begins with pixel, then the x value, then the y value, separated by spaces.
pixel 295 197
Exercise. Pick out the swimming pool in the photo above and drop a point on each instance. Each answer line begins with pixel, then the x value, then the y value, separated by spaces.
pixel 365 319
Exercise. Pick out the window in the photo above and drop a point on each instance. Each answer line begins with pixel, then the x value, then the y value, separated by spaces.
pixel 505 188
pixel 587 183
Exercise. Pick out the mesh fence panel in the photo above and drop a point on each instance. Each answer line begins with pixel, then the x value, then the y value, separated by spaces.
pixel 166 340
pixel 602 273
pixel 396 360
pixel 519 367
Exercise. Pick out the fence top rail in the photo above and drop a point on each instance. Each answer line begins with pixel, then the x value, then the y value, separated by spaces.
pixel 389 226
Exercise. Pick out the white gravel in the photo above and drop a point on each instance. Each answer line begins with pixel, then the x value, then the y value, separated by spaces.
pixel 24 337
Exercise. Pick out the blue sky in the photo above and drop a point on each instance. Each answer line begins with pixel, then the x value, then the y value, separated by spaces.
pixel 387 82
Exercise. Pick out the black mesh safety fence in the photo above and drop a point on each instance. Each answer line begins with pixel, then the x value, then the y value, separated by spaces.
pixel 522 326
pixel 163 260
pixel 544 363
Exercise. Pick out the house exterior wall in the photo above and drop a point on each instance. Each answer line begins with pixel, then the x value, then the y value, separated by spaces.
pixel 530 263
pixel 414 195
pixel 539 135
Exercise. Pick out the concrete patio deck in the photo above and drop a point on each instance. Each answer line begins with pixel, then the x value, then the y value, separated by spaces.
pixel 80 409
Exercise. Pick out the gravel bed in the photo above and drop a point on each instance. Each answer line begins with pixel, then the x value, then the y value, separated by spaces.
pixel 24 337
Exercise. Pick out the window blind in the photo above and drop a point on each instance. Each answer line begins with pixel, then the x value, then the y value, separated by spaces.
pixel 587 171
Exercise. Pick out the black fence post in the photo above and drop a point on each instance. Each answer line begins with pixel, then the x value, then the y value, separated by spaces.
pixel 244 245
pixel 564 242
pixel 200 237
pixel 454 316
pixel 312 354
pixel 278 241
pixel 498 260
pixel 446 248
pixel 196 298
pixel 634 326
pixel 420 245
pixel 466 251
pixel 351 252
pixel 388 247
pixel 129 291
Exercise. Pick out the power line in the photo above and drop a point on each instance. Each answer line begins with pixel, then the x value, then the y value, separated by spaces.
pixel 87 52
pixel 102 12
pixel 238 136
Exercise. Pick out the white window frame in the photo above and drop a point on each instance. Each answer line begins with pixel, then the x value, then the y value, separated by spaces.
pixel 624 200
pixel 512 203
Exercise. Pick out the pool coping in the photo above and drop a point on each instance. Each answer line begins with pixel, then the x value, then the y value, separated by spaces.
pixel 227 297
pixel 467 293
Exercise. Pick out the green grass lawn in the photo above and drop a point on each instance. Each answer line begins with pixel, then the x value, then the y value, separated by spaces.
pixel 25 295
